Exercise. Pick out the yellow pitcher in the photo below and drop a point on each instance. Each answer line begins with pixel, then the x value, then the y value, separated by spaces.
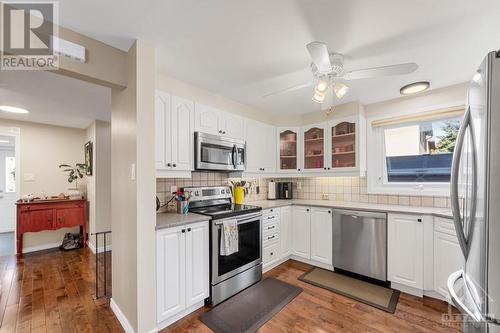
pixel 238 194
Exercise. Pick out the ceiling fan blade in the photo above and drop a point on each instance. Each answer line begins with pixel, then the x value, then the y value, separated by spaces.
pixel 399 69
pixel 290 89
pixel 320 57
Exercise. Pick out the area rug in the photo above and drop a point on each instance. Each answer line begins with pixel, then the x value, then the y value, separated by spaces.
pixel 252 308
pixel 369 293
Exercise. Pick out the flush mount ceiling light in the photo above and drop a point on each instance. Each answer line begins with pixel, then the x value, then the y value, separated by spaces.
pixel 414 88
pixel 13 109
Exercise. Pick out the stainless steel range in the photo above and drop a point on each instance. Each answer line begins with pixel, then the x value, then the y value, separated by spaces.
pixel 229 274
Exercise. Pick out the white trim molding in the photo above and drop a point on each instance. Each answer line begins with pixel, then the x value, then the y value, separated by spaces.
pixel 121 317
pixel 41 247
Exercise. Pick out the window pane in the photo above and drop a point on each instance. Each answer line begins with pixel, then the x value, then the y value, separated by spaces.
pixel 421 152
pixel 10 174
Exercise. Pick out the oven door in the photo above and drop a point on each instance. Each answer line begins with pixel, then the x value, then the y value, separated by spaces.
pixel 219 153
pixel 249 247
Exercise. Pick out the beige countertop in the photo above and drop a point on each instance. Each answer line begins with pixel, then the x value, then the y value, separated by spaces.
pixel 171 220
pixel 441 212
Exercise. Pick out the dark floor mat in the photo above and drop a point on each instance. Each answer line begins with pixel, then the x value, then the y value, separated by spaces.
pixel 251 308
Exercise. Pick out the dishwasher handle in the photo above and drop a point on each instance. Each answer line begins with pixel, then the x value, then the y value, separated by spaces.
pixel 357 213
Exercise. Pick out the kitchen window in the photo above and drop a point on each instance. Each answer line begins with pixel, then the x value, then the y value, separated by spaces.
pixel 413 154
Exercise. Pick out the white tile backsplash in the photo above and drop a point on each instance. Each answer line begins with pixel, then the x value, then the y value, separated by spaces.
pixel 352 189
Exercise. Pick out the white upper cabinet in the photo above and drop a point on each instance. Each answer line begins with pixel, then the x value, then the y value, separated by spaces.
pixel 261 142
pixel 163 150
pixel 347 146
pixel 174 137
pixel 207 119
pixel 405 240
pixel 214 121
pixel 182 133
pixel 314 146
pixel 232 125
pixel 321 235
pixel 288 149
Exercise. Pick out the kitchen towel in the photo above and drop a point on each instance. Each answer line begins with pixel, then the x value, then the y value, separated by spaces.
pixel 229 238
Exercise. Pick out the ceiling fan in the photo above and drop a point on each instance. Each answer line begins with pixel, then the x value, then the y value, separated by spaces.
pixel 328 71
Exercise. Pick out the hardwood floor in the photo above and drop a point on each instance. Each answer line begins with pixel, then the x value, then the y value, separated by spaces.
pixel 54 292
pixel 319 310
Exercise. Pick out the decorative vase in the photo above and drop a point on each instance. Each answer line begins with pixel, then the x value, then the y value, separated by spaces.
pixel 74 193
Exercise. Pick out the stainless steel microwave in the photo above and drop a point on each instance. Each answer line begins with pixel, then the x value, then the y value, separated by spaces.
pixel 213 152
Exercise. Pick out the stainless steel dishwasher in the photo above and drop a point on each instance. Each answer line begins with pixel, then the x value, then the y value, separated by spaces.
pixel 360 242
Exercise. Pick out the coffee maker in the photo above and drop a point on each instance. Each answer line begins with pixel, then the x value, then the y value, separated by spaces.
pixel 279 190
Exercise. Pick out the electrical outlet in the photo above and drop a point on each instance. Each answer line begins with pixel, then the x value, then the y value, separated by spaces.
pixel 324 196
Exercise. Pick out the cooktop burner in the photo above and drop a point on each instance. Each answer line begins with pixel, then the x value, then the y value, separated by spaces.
pixel 226 210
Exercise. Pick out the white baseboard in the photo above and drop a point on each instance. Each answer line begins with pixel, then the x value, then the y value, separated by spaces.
pixel 312 262
pixel 408 290
pixel 169 321
pixel 121 317
pixel 41 247
pixel 99 250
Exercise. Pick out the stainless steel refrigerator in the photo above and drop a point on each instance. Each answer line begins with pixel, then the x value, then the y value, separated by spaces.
pixel 475 195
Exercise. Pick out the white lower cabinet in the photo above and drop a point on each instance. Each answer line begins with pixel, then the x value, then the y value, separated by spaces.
pixel 286 231
pixel 321 235
pixel 301 232
pixel 405 264
pixel 448 256
pixel 182 255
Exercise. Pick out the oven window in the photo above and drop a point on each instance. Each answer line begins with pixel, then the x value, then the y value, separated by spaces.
pixel 216 154
pixel 248 246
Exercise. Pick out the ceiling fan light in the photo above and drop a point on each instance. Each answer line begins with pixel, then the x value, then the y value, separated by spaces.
pixel 340 90
pixel 321 87
pixel 319 97
pixel 414 88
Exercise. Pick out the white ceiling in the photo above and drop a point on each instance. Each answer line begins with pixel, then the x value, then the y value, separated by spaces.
pixel 54 99
pixel 244 49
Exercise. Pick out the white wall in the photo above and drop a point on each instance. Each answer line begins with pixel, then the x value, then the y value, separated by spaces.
pixel 99 183
pixel 42 149
pixel 133 205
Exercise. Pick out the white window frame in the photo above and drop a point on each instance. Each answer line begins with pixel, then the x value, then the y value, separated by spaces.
pixel 377 168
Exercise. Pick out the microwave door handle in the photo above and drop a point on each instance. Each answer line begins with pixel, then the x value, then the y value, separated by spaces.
pixel 233 156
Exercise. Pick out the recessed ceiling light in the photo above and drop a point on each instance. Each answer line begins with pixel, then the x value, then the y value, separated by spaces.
pixel 414 88
pixel 12 109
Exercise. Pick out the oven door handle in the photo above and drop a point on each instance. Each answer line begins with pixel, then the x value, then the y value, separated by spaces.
pixel 243 221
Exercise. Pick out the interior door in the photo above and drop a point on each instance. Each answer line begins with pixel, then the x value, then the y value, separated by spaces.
pixel 7 186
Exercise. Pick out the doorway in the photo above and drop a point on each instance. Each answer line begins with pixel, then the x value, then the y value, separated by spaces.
pixel 9 187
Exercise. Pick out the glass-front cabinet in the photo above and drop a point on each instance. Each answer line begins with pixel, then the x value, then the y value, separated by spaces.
pixel 288 139
pixel 347 146
pixel 314 140
pixel 343 154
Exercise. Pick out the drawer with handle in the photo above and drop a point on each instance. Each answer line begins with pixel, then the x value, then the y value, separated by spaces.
pixel 270 228
pixel 271 253
pixel 272 212
pixel 270 238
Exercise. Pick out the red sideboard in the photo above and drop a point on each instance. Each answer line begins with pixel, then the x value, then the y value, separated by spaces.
pixel 50 215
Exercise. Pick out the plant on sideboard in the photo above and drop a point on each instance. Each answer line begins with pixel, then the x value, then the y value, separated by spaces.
pixel 75 173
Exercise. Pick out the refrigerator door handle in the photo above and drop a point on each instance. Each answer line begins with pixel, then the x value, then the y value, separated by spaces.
pixel 452 279
pixel 455 168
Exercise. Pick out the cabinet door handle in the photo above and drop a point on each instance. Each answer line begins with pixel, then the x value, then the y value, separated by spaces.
pixel 324 168
pixel 189 229
pixel 174 165
pixel 272 253
pixel 419 220
pixel 169 164
pixel 299 169
pixel 224 132
pixel 329 212
pixel 307 209
pixel 183 230
pixel 220 132
pixel 271 227
pixel 270 237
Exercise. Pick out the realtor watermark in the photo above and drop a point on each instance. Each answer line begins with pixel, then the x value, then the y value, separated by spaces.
pixel 27 35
